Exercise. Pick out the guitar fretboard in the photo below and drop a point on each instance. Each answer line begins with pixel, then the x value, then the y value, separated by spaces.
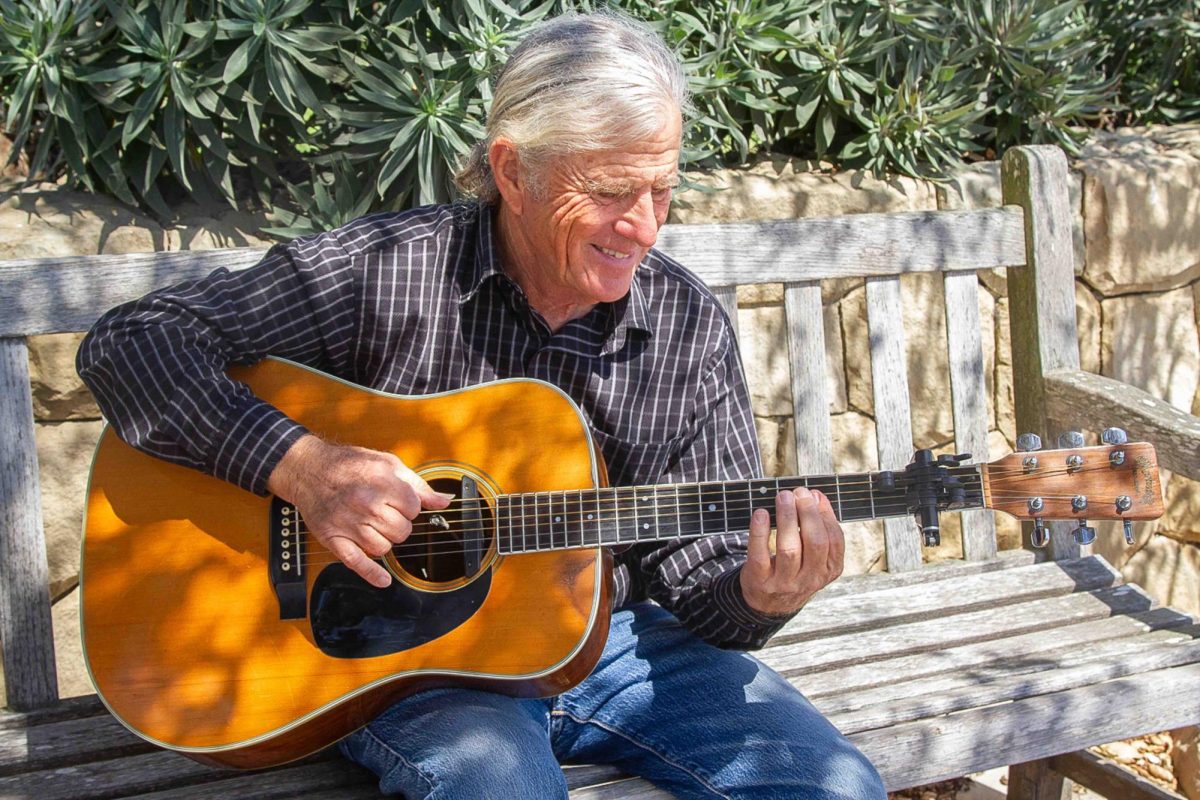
pixel 628 515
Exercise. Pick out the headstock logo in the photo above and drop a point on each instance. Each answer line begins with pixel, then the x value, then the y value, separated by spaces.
pixel 1145 485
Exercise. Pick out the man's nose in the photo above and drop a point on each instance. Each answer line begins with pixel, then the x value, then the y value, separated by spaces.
pixel 640 221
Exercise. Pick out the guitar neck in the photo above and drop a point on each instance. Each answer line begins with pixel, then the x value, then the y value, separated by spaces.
pixel 627 515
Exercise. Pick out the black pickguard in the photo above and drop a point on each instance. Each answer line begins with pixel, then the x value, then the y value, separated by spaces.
pixel 352 619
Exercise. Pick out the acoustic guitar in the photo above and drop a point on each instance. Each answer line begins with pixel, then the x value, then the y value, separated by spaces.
pixel 214 625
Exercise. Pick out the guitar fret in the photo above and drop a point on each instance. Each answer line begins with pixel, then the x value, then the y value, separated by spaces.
pixel 837 489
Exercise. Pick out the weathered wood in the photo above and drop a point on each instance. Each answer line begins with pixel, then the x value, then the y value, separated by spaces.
pixel 1107 778
pixel 1042 296
pixel 26 637
pixel 937 570
pixel 893 417
pixel 63 744
pixel 1024 684
pixel 810 389
pixel 943 599
pixel 279 784
pixel 927 636
pixel 727 297
pixel 968 393
pixel 784 251
pixel 971 741
pixel 628 789
pixel 1035 780
pixel 66 709
pixel 1091 400
pixel 992 654
pixel 119 777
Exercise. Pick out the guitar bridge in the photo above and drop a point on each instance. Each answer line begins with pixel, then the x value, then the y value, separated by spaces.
pixel 286 564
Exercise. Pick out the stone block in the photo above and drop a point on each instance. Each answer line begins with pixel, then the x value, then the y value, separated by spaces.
pixel 1151 341
pixel 925 352
pixel 1141 216
pixel 64 457
pixel 762 332
pixel 783 189
pixel 1169 570
pixel 854 445
pixel 46 221
pixel 58 393
pixel 73 680
pixel 198 229
pixel 1181 520
pixel 1088 328
pixel 777 445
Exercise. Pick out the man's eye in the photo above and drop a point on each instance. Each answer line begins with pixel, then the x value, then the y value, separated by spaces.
pixel 662 193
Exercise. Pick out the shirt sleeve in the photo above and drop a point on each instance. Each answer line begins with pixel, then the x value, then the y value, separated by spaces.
pixel 698 580
pixel 157 365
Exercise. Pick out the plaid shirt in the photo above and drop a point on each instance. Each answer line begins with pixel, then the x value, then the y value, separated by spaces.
pixel 415 303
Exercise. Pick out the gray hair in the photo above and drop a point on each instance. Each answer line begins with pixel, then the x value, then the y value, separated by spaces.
pixel 577 83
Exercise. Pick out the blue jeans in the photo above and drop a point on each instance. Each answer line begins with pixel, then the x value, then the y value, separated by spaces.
pixel 693 719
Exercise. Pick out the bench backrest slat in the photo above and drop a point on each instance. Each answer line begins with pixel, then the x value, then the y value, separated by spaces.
pixel 893 414
pixel 25 626
pixel 810 389
pixel 850 246
pixel 968 393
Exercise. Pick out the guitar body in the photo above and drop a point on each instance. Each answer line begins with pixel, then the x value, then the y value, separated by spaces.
pixel 183 628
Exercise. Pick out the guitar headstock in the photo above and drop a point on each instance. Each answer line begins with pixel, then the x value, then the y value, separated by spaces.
pixel 1117 482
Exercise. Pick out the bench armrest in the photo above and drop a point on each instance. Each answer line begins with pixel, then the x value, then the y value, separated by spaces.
pixel 1089 400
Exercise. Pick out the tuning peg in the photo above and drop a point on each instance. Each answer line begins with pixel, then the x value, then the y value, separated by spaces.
pixel 1084 534
pixel 1128 526
pixel 1070 440
pixel 1028 442
pixel 1114 436
pixel 1041 535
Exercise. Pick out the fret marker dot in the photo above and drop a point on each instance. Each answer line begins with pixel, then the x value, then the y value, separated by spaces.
pixel 558 519
pixel 645 526
pixel 590 516
pixel 712 506
pixel 762 490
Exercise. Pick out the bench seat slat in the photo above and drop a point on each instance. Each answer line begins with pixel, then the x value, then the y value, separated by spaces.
pixel 940 599
pixel 833 652
pixel 950 569
pixel 914 696
pixel 944 747
pixel 279 784
pixel 979 657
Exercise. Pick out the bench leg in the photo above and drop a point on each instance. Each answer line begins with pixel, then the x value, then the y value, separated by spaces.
pixel 1035 780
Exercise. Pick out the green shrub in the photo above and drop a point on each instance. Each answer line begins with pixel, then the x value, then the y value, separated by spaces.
pixel 325 110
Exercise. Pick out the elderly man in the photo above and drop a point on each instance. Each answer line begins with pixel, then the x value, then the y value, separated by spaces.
pixel 548 274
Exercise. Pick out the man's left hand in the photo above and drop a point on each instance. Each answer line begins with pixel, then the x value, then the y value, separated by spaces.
pixel 809 553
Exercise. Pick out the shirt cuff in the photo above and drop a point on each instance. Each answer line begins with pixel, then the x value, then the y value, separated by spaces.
pixel 257 436
pixel 727 592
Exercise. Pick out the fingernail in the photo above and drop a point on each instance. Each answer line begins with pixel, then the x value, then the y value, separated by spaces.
pixel 447 495
pixel 803 494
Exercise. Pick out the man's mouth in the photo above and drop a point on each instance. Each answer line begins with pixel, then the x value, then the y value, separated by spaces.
pixel 612 253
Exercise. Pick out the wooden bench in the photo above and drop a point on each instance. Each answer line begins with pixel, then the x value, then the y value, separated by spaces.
pixel 935 671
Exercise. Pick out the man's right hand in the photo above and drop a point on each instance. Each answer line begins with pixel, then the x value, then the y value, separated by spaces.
pixel 358 503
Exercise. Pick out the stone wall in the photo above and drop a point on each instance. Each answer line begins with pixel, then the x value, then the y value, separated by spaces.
pixel 1137 242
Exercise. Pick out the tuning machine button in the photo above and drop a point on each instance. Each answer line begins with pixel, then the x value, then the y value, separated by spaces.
pixel 1028 442
pixel 1084 534
pixel 1070 440
pixel 1127 525
pixel 1114 436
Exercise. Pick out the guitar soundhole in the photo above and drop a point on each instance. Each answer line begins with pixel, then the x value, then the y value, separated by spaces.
pixel 450 545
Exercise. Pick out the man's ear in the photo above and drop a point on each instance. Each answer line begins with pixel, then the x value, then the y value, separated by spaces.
pixel 508 173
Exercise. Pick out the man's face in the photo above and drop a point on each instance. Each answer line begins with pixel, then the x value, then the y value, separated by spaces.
pixel 598 215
